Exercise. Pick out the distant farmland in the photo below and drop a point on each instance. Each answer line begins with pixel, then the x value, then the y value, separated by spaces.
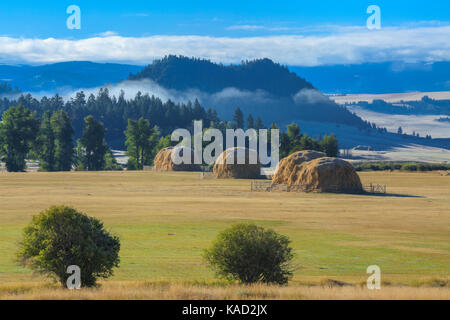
pixel 165 220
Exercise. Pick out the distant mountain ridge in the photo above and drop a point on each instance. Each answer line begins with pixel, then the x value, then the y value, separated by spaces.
pixel 69 75
pixel 182 73
pixel 377 78
pixel 387 77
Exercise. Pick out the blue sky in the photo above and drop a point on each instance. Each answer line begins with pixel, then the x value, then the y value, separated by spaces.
pixel 44 19
pixel 25 25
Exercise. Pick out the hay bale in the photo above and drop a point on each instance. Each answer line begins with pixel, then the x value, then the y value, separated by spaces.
pixel 286 166
pixel 163 160
pixel 326 175
pixel 227 166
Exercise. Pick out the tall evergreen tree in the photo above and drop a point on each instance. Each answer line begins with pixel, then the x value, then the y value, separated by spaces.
pixel 93 145
pixel 329 145
pixel 293 131
pixel 250 122
pixel 238 118
pixel 63 134
pixel 139 143
pixel 18 131
pixel 45 144
pixel 259 124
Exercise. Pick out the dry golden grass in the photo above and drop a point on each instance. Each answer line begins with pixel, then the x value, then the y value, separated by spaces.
pixel 177 291
pixel 166 219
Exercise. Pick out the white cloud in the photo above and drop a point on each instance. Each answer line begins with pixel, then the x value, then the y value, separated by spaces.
pixel 246 27
pixel 353 45
pixel 108 34
pixel 310 96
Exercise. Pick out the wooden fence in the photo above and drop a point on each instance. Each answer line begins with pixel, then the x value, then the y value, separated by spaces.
pixel 269 186
pixel 375 188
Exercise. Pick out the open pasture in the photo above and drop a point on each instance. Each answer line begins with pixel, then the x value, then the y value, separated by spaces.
pixel 166 219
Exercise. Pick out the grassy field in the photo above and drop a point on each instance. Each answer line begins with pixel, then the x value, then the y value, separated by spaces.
pixel 165 220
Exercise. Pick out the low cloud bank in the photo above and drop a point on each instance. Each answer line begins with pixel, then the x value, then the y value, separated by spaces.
pixel 349 46
pixel 258 103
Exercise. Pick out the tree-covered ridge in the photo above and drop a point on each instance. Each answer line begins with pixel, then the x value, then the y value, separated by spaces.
pixel 424 106
pixel 181 73
pixel 444 119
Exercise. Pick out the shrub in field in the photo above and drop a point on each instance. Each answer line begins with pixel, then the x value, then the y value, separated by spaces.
pixel 249 254
pixel 60 236
pixel 409 167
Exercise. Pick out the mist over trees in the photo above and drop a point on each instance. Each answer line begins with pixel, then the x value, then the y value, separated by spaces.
pixel 261 87
pixel 115 112
pixel 264 89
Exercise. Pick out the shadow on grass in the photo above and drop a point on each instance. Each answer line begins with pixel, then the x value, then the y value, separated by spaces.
pixel 396 195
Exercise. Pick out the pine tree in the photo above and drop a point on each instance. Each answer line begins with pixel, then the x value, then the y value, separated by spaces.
pixel 250 122
pixel 63 135
pixel 18 131
pixel 329 145
pixel 93 144
pixel 238 118
pixel 259 124
pixel 45 144
pixel 139 143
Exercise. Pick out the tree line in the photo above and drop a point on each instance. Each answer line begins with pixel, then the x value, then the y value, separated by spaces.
pixel 114 112
pixel 50 139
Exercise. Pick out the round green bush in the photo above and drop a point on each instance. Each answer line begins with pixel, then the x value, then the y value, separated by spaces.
pixel 60 236
pixel 250 254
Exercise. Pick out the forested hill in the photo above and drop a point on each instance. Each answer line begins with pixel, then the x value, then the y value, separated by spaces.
pixel 181 73
pixel 259 87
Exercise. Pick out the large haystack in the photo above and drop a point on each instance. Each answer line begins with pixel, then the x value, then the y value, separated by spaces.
pixel 227 166
pixel 163 160
pixel 326 175
pixel 287 165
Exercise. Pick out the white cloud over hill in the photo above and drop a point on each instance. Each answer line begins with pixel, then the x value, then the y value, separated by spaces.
pixel 349 46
